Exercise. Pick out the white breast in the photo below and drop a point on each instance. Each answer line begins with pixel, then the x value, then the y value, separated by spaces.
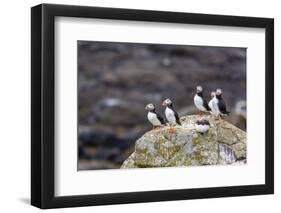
pixel 213 106
pixel 198 101
pixel 170 115
pixel 152 117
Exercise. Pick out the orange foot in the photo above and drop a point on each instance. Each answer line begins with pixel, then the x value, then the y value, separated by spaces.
pixel 171 130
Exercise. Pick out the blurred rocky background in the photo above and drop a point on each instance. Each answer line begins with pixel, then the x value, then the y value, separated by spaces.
pixel 117 80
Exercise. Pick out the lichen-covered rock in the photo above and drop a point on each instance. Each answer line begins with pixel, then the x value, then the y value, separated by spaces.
pixel 222 144
pixel 130 162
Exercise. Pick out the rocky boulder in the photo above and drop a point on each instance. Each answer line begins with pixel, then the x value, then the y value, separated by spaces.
pixel 222 144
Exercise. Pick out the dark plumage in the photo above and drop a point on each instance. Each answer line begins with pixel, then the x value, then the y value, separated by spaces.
pixel 176 114
pixel 171 115
pixel 154 118
pixel 202 126
pixel 159 117
pixel 205 103
pixel 220 103
pixel 199 100
pixel 203 122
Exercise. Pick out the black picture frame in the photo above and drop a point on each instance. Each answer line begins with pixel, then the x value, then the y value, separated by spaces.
pixel 43 102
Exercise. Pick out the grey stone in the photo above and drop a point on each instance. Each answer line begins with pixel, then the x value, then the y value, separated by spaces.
pixel 222 144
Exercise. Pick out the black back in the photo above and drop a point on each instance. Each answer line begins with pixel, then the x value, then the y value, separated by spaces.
pixel 176 114
pixel 160 118
pixel 205 103
pixel 222 105
pixel 203 122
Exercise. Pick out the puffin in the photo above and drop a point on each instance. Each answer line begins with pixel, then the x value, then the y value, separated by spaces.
pixel 171 114
pixel 154 118
pixel 220 104
pixel 200 102
pixel 202 126
pixel 212 104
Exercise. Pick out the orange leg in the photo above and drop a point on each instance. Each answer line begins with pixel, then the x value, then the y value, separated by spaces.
pixel 171 129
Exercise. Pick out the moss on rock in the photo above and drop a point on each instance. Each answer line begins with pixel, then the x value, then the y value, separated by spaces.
pixel 186 147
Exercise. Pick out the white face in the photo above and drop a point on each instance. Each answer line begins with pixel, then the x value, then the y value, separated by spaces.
pixel 167 102
pixel 213 94
pixel 199 89
pixel 218 92
pixel 149 107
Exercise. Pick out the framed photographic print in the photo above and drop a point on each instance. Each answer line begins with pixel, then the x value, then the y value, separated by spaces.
pixel 140 106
